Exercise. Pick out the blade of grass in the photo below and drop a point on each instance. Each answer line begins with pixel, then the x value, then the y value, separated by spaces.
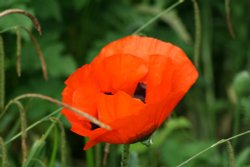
pixel 54 149
pixel 38 146
pixel 89 156
pixel 157 17
pixel 33 125
pixel 63 148
pixel 212 146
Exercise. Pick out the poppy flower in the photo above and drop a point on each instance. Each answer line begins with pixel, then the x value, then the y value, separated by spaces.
pixel 132 85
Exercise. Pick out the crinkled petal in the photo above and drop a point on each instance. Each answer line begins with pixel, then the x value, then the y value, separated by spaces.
pixel 105 89
pixel 159 79
pixel 169 75
pixel 131 128
pixel 119 72
pixel 80 92
pixel 117 106
pixel 138 46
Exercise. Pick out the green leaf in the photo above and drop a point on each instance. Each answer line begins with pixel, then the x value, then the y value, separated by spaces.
pixel 47 9
pixel 78 4
pixel 161 135
pixel 10 21
pixel 34 152
pixel 242 158
pixel 241 83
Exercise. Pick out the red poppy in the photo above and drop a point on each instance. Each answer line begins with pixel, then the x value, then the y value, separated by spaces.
pixel 132 85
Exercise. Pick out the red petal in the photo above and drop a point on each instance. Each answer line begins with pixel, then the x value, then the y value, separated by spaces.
pixel 159 79
pixel 119 72
pixel 168 75
pixel 169 79
pixel 113 107
pixel 138 46
pixel 80 92
pixel 131 128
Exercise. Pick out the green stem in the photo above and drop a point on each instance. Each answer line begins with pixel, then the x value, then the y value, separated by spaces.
pixel 125 155
pixel 98 155
pixel 2 77
pixel 157 16
pixel 197 43
pixel 228 17
pixel 90 157
pixel 236 120
pixel 3 153
pixel 208 68
pixel 231 156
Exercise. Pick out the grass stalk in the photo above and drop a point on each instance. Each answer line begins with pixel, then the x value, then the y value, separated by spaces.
pixel 208 69
pixel 54 148
pixel 212 146
pixel 18 51
pixel 2 76
pixel 157 17
pixel 23 12
pixel 197 44
pixel 230 152
pixel 33 125
pixel 3 153
pixel 63 147
pixel 228 18
pixel 52 100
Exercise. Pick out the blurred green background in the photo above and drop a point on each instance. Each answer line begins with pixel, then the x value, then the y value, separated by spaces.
pixel 217 106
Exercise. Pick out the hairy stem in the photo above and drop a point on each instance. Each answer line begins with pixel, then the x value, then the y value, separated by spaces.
pixel 23 12
pixel 125 155
pixel 77 111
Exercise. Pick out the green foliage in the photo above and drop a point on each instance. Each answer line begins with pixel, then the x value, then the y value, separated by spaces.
pixel 218 106
pixel 241 84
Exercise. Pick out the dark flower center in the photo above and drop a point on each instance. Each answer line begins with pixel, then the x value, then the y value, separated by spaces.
pixel 94 126
pixel 108 93
pixel 140 92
